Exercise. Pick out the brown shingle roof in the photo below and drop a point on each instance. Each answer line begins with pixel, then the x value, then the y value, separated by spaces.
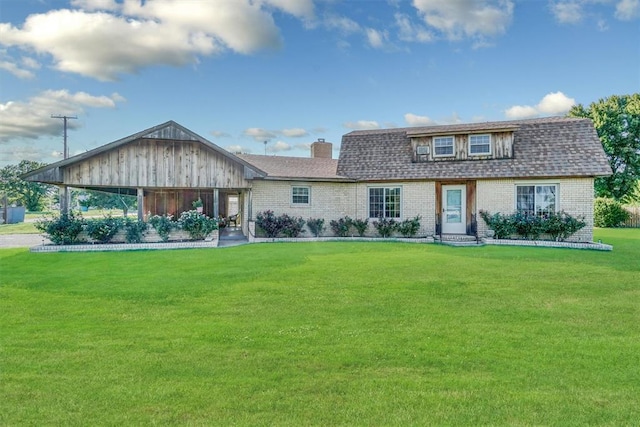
pixel 547 147
pixel 283 167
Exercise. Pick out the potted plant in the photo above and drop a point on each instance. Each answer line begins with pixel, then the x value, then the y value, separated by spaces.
pixel 197 204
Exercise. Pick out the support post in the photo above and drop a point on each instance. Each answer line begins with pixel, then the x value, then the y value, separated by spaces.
pixel 140 204
pixel 65 200
pixel 216 202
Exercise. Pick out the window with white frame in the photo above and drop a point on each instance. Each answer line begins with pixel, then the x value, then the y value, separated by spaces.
pixel 540 199
pixel 443 146
pixel 384 202
pixel 479 144
pixel 300 195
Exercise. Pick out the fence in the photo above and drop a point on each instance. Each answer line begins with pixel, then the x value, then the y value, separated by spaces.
pixel 634 218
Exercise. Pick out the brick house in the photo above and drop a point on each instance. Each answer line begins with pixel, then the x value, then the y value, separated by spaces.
pixel 444 174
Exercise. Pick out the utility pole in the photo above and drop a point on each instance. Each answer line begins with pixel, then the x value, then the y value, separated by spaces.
pixel 65 194
pixel 65 118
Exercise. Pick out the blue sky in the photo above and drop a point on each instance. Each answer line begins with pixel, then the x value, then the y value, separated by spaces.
pixel 241 72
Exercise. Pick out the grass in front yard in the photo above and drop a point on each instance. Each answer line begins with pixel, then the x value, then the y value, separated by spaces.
pixel 323 334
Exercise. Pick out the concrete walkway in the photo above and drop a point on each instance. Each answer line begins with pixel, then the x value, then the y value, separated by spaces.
pixel 22 240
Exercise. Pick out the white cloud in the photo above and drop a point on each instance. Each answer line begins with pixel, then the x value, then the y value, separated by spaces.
pixel 302 9
pixel 17 71
pixel 457 19
pixel 278 147
pixel 626 10
pixel 104 39
pixel 362 125
pixel 575 11
pixel 237 149
pixel 567 12
pixel 91 5
pixel 376 39
pixel 15 154
pixel 32 119
pixel 294 132
pixel 555 103
pixel 410 32
pixel 415 120
pixel 259 134
pixel 219 134
pixel 343 24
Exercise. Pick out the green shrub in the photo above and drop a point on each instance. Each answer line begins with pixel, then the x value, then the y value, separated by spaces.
pixel 385 226
pixel 291 226
pixel 501 224
pixel 268 223
pixel 360 225
pixel 274 226
pixel 62 230
pixel 609 213
pixel 163 225
pixel 560 225
pixel 316 225
pixel 409 227
pixel 341 226
pixel 102 230
pixel 135 230
pixel 196 224
pixel 527 225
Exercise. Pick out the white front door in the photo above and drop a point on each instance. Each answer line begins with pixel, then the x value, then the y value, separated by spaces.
pixel 454 209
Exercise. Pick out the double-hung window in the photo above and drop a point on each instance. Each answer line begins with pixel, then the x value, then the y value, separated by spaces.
pixel 479 144
pixel 538 199
pixel 443 146
pixel 384 202
pixel 300 195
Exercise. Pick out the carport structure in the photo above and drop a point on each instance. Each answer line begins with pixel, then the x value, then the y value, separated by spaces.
pixel 167 167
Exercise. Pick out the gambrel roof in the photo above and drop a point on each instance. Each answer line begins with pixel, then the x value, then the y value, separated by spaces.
pixel 542 148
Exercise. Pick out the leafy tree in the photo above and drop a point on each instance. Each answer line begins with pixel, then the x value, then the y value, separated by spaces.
pixel 617 121
pixel 105 200
pixel 31 195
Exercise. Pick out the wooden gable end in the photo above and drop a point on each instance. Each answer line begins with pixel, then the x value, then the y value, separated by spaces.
pixel 501 147
pixel 158 163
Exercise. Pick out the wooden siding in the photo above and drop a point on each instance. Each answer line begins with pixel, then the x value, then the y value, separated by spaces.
pixel 158 163
pixel 501 148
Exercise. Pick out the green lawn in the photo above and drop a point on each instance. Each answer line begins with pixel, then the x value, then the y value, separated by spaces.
pixel 327 333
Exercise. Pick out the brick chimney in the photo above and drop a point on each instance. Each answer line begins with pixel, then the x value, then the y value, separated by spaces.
pixel 321 149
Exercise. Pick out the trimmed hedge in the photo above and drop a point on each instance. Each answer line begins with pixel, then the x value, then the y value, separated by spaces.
pixel 558 225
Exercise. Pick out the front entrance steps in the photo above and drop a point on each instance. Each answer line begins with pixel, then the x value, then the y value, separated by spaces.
pixel 458 240
pixel 231 236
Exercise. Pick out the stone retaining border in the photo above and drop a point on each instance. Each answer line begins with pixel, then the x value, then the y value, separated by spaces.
pixel 110 247
pixel 548 244
pixel 341 239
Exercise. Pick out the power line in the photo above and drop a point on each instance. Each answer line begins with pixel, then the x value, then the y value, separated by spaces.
pixel 65 118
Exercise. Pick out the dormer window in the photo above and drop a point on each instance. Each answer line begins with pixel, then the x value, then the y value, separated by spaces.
pixel 479 145
pixel 443 146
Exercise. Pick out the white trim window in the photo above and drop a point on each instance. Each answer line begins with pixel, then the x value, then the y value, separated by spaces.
pixel 443 146
pixel 539 199
pixel 300 195
pixel 384 202
pixel 479 144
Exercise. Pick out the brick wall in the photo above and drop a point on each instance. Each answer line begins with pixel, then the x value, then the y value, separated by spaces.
pixel 332 201
pixel 575 198
pixel 336 200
